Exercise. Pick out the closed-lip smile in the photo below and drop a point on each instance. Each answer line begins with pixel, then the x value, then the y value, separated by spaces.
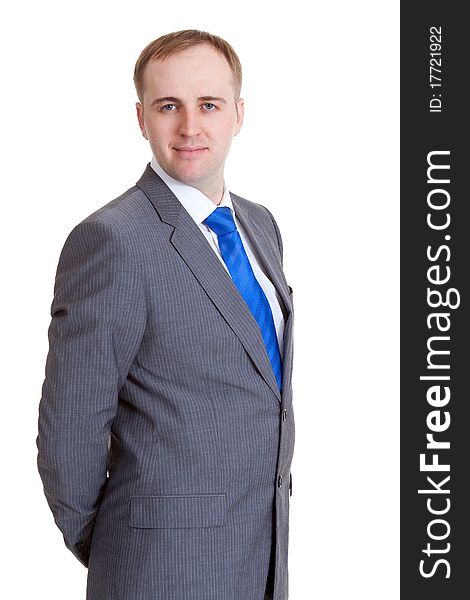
pixel 190 148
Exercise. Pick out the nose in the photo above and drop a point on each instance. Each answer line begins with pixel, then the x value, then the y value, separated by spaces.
pixel 190 123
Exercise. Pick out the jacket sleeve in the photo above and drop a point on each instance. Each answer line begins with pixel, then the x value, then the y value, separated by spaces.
pixel 98 319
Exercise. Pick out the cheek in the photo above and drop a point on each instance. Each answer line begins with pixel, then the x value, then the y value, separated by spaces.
pixel 224 133
pixel 159 129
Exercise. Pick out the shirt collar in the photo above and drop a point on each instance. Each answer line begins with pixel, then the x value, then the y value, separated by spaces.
pixel 197 204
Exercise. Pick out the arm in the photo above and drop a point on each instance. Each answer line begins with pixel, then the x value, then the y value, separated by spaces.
pixel 98 319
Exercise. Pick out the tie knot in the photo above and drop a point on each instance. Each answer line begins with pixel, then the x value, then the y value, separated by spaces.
pixel 221 220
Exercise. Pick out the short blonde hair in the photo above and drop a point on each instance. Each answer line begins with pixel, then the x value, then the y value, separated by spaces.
pixel 171 43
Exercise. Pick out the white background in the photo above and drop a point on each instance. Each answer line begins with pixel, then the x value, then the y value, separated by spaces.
pixel 319 147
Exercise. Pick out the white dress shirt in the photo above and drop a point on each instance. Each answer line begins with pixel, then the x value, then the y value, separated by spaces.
pixel 199 207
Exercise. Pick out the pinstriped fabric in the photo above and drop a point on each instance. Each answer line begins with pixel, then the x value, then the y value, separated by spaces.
pixel 207 510
pixel 231 246
pixel 153 352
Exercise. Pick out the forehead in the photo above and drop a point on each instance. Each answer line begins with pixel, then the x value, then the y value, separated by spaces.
pixel 198 70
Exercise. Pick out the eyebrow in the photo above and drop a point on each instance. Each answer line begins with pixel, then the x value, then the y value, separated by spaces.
pixel 173 99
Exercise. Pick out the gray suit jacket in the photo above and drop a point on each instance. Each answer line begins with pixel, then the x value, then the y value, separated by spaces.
pixel 164 444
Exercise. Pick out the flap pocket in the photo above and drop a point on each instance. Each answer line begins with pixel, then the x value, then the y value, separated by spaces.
pixel 157 512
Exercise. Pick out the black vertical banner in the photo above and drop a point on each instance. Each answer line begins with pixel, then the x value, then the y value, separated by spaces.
pixel 435 302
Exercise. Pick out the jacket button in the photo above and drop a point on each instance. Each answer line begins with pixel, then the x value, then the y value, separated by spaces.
pixel 284 414
pixel 279 481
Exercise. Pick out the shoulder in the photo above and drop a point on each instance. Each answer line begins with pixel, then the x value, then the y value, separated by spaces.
pixel 124 219
pixel 124 212
pixel 116 231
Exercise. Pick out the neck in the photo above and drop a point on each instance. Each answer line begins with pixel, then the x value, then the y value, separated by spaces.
pixel 213 192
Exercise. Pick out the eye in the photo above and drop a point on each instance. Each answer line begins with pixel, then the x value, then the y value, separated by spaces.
pixel 165 107
pixel 209 106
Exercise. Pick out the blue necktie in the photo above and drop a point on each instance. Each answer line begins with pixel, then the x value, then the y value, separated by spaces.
pixel 231 247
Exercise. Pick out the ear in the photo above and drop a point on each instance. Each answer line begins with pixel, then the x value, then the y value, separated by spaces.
pixel 240 114
pixel 140 118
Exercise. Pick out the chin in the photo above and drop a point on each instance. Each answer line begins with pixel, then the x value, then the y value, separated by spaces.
pixel 189 173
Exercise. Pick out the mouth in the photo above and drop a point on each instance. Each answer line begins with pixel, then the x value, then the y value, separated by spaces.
pixel 190 151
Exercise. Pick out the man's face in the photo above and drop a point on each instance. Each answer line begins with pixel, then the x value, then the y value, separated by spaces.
pixel 189 115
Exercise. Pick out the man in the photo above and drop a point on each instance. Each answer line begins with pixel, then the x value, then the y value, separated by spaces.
pixel 166 429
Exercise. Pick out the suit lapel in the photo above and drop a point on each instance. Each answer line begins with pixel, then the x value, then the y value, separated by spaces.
pixel 268 258
pixel 190 243
pixel 273 268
